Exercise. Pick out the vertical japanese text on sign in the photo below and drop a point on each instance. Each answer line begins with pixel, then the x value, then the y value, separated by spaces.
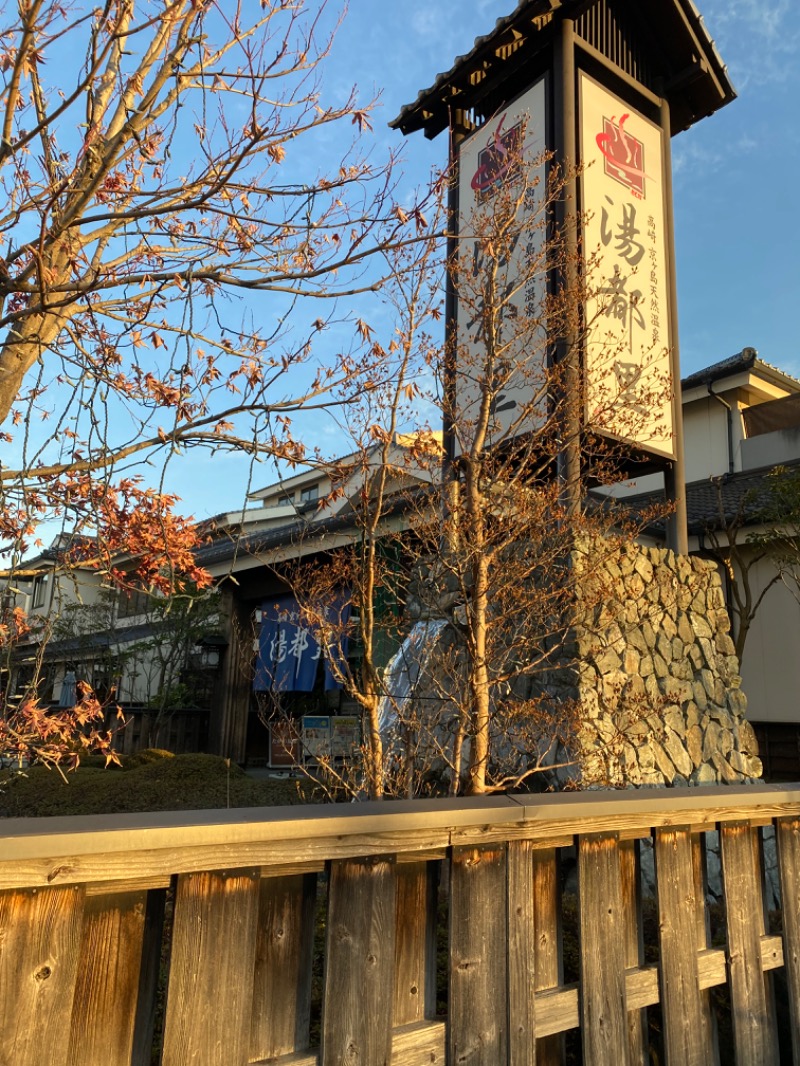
pixel 627 368
pixel 289 649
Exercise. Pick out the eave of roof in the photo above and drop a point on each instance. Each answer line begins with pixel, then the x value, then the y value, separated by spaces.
pixel 734 364
pixel 746 494
pixel 453 88
pixel 257 543
pixel 744 361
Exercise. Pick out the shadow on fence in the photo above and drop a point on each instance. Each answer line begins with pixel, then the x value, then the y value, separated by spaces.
pixel 511 930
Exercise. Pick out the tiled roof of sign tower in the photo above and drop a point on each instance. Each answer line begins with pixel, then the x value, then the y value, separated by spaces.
pixel 680 55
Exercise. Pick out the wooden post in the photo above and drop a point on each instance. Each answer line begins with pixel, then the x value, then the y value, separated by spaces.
pixel 450 482
pixel 521 955
pixel 568 354
pixel 478 946
pixel 359 964
pixel 603 1008
pixel 210 991
pixel 227 727
pixel 149 973
pixel 686 1035
pixel 634 944
pixel 282 981
pixel 703 933
pixel 751 1006
pixel 104 1010
pixel 675 473
pixel 40 942
pixel 548 964
pixel 789 862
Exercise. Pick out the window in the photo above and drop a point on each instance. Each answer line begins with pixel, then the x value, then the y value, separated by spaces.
pixel 132 602
pixel 106 675
pixel 309 494
pixel 40 587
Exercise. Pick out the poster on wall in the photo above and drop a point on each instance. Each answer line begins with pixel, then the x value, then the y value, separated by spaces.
pixel 316 737
pixel 627 347
pixel 502 275
pixel 345 736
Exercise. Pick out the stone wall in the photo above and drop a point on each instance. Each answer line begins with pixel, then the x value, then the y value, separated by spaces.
pixel 649 659
pixel 655 662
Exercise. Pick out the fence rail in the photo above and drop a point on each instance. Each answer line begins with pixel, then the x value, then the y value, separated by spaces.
pixel 322 935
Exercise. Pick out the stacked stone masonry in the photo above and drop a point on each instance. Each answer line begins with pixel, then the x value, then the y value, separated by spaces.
pixel 655 662
pixel 650 659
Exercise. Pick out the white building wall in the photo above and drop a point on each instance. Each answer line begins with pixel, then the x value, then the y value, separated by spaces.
pixel 771 661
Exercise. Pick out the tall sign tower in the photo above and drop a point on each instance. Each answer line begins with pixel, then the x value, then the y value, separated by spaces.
pixel 599 88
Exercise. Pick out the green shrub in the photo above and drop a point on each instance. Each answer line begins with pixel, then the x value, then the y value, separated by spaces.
pixel 146 757
pixel 167 783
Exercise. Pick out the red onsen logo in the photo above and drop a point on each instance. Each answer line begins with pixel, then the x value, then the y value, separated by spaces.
pixel 499 161
pixel 623 155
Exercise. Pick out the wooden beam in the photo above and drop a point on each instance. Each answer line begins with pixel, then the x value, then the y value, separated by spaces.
pixel 122 848
pixel 604 1026
pixel 478 1008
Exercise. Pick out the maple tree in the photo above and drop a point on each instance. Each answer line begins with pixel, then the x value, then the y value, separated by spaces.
pixel 171 264
pixel 155 185
pixel 390 453
pixel 29 732
pixel 755 539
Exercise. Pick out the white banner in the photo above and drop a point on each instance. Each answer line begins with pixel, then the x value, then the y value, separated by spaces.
pixel 627 360
pixel 501 338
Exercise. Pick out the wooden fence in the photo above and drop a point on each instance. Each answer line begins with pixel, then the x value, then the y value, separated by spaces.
pixel 311 935
pixel 181 731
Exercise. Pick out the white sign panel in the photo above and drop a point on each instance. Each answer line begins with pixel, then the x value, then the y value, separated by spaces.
pixel 501 272
pixel 627 353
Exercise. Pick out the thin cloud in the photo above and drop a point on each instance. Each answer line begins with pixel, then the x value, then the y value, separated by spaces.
pixel 689 157
pixel 440 34
pixel 697 157
pixel 756 38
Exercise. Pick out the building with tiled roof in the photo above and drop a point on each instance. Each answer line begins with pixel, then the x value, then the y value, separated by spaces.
pixel 741 423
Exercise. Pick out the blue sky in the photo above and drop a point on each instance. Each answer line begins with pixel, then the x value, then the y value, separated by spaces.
pixel 737 222
pixel 735 174
pixel 737 219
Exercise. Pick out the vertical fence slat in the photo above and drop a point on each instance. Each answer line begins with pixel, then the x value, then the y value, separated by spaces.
pixel 478 968
pixel 149 974
pixel 789 862
pixel 751 1008
pixel 359 963
pixel 548 964
pixel 521 955
pixel 40 937
pixel 104 1009
pixel 703 934
pixel 415 945
pixel 282 979
pixel 210 991
pixel 634 951
pixel 685 1029
pixel 603 1008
